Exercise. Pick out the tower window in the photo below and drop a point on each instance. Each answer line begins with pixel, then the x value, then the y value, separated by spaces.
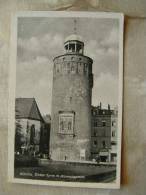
pixel 72 47
pixel 70 99
pixel 79 48
pixel 85 68
pixel 72 68
pixel 61 125
pixel 57 69
pixel 69 125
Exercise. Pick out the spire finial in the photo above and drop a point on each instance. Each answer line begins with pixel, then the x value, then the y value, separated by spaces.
pixel 75 26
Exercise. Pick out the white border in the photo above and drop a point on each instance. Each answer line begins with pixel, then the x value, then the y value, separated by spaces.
pixel 12 85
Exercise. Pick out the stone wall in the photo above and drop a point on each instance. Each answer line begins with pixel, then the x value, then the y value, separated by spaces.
pixel 71 93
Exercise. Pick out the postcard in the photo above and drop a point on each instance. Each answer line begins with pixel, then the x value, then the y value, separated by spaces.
pixel 65 99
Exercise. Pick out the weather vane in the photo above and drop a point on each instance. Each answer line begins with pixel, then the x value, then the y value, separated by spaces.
pixel 75 26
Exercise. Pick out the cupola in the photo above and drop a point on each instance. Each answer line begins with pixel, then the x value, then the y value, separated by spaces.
pixel 74 44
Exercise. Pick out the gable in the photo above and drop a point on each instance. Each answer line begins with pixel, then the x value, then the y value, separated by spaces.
pixel 27 108
pixel 34 112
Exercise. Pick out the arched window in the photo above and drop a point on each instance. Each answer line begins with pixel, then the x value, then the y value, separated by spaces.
pixel 32 134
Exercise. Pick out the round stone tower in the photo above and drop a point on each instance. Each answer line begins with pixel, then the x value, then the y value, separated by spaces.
pixel 71 103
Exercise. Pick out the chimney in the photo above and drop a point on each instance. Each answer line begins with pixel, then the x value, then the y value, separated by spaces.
pixel 108 107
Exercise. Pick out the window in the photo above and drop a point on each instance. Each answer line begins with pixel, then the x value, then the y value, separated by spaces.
pixel 113 143
pixel 72 68
pixel 68 67
pixel 103 144
pixel 95 143
pixel 61 125
pixel 95 112
pixel 72 47
pixel 57 69
pixel 70 99
pixel 103 123
pixel 27 127
pixel 113 133
pixel 85 67
pixel 32 134
pixel 113 123
pixel 69 125
pixel 82 154
pixel 65 157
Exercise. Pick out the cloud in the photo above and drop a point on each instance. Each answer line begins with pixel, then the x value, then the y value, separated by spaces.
pixel 35 67
pixel 47 45
pixel 34 79
pixel 112 39
pixel 105 57
pixel 105 90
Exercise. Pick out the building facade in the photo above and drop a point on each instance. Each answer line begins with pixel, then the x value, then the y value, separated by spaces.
pixel 104 134
pixel 71 103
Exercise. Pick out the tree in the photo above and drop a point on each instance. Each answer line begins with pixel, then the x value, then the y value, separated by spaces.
pixel 18 135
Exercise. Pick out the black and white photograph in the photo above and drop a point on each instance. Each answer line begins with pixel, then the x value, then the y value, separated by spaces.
pixel 65 99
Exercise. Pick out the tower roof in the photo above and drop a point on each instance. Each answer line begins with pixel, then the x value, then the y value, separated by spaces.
pixel 74 37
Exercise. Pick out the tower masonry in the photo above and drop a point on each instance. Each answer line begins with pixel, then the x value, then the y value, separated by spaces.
pixel 70 137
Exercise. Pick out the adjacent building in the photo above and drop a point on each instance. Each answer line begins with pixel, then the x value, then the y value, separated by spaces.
pixel 104 133
pixel 29 124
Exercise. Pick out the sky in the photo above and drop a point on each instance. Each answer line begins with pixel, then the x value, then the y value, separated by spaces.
pixel 40 39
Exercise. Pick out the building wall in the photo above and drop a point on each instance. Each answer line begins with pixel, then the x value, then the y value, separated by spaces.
pixel 104 133
pixel 72 80
pixel 114 131
pixel 101 133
